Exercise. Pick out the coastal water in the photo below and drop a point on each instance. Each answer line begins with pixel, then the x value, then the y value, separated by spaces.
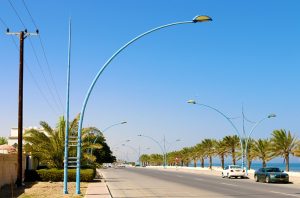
pixel 295 167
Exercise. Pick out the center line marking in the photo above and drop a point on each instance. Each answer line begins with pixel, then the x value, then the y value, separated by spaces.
pixel 229 184
pixel 284 194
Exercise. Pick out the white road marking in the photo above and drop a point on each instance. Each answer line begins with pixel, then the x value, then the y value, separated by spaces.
pixel 284 194
pixel 229 184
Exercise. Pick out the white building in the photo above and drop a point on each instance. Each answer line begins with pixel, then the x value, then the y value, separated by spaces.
pixel 13 137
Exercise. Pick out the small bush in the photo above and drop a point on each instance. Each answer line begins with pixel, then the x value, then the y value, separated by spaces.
pixel 56 175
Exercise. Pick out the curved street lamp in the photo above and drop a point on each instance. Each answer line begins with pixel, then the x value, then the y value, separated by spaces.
pixel 246 138
pixel 119 123
pixel 160 146
pixel 197 19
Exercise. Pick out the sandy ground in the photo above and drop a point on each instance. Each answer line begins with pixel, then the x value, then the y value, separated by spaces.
pixel 42 189
pixel 217 171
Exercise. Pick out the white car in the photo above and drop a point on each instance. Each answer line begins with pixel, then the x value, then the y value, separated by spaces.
pixel 233 171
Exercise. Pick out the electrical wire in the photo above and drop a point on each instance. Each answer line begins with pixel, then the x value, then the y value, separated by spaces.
pixel 12 6
pixel 43 73
pixel 4 24
pixel 29 14
pixel 20 19
pixel 44 53
pixel 35 81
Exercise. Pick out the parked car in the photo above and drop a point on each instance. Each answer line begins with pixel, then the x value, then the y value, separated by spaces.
pixel 271 174
pixel 233 171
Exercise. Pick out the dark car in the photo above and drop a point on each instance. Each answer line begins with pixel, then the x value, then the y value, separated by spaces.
pixel 271 174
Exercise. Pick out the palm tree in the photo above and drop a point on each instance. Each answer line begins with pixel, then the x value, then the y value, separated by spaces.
pixel 200 153
pixel 262 149
pixel 208 145
pixel 232 143
pixel 194 155
pixel 221 150
pixel 251 155
pixel 283 144
pixel 185 156
pixel 48 145
pixel 3 140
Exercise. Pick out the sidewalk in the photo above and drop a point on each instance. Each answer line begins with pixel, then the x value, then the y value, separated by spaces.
pixel 97 189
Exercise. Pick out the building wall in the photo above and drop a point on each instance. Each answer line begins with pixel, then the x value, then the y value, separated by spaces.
pixel 9 168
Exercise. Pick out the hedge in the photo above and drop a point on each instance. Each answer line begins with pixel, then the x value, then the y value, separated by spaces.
pixel 57 175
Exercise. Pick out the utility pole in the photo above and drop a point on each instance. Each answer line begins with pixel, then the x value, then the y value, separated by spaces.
pixel 22 35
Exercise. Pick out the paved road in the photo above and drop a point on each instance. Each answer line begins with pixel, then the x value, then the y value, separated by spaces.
pixel 144 182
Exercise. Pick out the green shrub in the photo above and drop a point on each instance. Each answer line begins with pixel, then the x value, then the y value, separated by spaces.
pixel 57 175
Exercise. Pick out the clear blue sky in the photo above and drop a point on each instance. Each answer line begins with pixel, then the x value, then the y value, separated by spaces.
pixel 249 54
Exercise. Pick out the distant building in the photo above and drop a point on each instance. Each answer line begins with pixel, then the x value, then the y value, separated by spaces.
pixel 13 137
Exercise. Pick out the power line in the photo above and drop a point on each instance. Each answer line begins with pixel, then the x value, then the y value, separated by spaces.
pixel 4 24
pixel 43 73
pixel 29 14
pixel 44 53
pixel 16 13
pixel 35 81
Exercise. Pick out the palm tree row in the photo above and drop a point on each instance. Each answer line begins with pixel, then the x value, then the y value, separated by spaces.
pixel 281 144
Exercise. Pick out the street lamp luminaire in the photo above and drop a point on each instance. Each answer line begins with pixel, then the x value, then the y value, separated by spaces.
pixel 197 19
pixel 245 138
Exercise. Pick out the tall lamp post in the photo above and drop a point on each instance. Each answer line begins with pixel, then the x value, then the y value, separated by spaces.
pixel 197 19
pixel 244 137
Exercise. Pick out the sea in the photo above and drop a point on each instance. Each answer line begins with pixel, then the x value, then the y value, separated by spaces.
pixel 294 167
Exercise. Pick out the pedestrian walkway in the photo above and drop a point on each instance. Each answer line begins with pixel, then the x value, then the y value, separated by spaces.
pixel 97 189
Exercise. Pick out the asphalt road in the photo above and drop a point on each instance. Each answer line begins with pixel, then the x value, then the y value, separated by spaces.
pixel 144 182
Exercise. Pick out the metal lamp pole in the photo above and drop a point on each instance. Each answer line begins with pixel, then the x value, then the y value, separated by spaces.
pixel 244 152
pixel 197 19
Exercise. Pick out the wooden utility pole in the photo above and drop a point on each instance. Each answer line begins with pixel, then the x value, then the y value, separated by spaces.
pixel 22 35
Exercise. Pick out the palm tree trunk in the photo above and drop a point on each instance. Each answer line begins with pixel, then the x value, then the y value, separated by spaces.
pixel 233 156
pixel 249 164
pixel 195 163
pixel 202 162
pixel 222 161
pixel 264 164
pixel 287 163
pixel 210 162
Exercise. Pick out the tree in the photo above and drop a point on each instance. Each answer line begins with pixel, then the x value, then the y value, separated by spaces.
pixel 3 140
pixel 251 155
pixel 48 145
pixel 232 143
pixel 283 144
pixel 262 149
pixel 209 150
pixel 221 150
pixel 200 153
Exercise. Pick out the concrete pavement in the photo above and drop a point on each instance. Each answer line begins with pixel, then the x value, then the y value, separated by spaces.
pixel 97 189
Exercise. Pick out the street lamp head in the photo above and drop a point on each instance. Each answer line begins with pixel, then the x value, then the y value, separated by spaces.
pixel 201 18
pixel 272 115
pixel 127 140
pixel 191 102
pixel 140 135
pixel 178 140
pixel 123 122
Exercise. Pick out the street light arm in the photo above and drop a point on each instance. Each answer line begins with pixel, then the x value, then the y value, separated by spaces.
pixel 107 63
pixel 155 142
pixel 227 118
pixel 195 20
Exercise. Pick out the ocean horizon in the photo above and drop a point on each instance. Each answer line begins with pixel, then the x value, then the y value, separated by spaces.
pixel 295 167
